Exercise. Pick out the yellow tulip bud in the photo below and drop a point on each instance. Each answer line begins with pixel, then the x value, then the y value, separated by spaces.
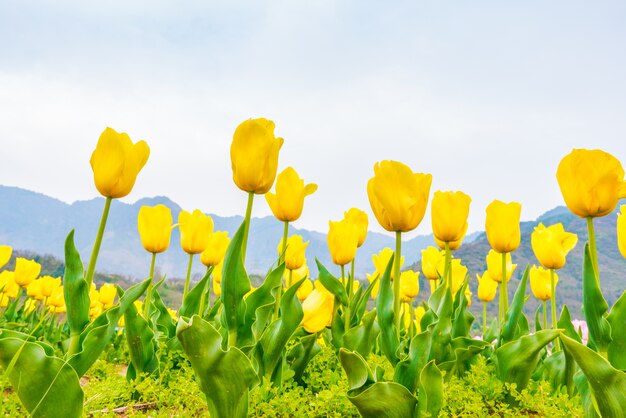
pixel 591 182
pixel 540 283
pixel 343 238
pixel 217 288
pixel 468 295
pixel 304 290
pixel 155 227
pixel 195 231
pixel 318 309
pixel 48 284
pixel 376 288
pixel 406 314
pixel 288 201
pixel 432 257
pixel 94 297
pixel 34 289
pixel 487 287
pixel 8 287
pixel 552 244
pixel 494 266
pixel 116 161
pixel 502 226
pixel 381 260
pixel 26 271
pixel 409 285
pixel 419 314
pixel 621 230
pixel 398 196
pixel 358 218
pixel 96 310
pixel 5 254
pixel 4 300
pixel 216 249
pixel 217 272
pixel 449 216
pixel 31 305
pixel 294 254
pixel 459 273
pixel 173 314
pixel 453 245
pixel 296 275
pixel 254 155
pixel 107 295
pixel 57 299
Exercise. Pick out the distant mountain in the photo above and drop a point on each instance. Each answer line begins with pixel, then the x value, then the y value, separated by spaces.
pixel 38 223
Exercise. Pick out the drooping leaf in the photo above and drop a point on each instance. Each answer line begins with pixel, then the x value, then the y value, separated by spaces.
pixel 430 399
pixel 301 354
pixel 463 349
pixel 407 371
pixel 164 322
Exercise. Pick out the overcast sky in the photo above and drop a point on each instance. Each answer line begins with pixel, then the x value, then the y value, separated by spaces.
pixel 487 96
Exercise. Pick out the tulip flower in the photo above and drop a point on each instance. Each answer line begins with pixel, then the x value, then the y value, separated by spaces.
pixel 294 253
pixel 33 290
pixel 458 273
pixel 5 254
pixel 26 271
pixel 552 244
pixel 57 300
pixel 8 286
pixel 287 203
pixel 432 257
pixel 155 227
pixel 409 285
pixel 304 290
pixel 4 300
pixel 494 266
pixel 216 249
pixel 381 260
pixel 107 295
pixel 358 218
pixel 449 216
pixel 318 309
pixel 293 276
pixel 543 285
pixel 621 230
pixel 468 295
pixel 487 287
pixel 195 232
pixel 342 238
pixel 48 284
pixel 502 226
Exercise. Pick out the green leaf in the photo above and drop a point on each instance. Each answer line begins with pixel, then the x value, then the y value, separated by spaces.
pixel 361 338
pixel 430 400
pixel 582 386
pixel 514 313
pixel 408 370
pixel 164 322
pixel 191 303
pixel 442 329
pixel 358 373
pixel 141 344
pixel 607 385
pixel 47 386
pixel 463 318
pixel 384 306
pixel 464 349
pixel 301 354
pixel 538 321
pixel 565 323
pixel 617 347
pixel 595 307
pixel 225 376
pixel 361 306
pixel 75 288
pixel 332 284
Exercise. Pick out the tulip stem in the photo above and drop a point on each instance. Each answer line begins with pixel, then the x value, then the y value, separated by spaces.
pixel 484 319
pixel 146 303
pixel 592 247
pixel 281 258
pixel 553 305
pixel 396 281
pixel 447 276
pixel 500 306
pixel 545 315
pixel 96 245
pixel 206 295
pixel 246 229
pixel 186 290
pixel 505 294
pixel 346 319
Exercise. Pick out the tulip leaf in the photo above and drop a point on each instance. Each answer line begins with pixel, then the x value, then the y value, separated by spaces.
pixel 565 323
pixel 141 342
pixel 538 326
pixel 516 360
pixel 437 298
pixel 513 315
pixel 607 385
pixel 464 349
pixel 430 399
pixel 191 302
pixel 98 333
pixel 358 372
pixel 582 386
pixel 301 354
pixel 408 370
pixel 384 306
pixel 332 284
pixel 595 307
pixel 75 288
pixel 361 306
pixel 163 320
pixel 558 369
pixel 617 347
pixel 225 376
pixel 462 317
pixel 362 337
pixel 47 386
pixel 442 328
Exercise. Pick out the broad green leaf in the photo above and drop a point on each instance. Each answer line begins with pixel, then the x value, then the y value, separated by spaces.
pixel 565 323
pixel 442 329
pixel 164 322
pixel 464 349
pixel 384 306
pixel 47 386
pixel 430 399
pixel 361 338
pixel 191 303
pixel 301 354
pixel 358 372
pixel 332 284
pixel 595 307
pixel 617 347
pixel 558 369
pixel 384 400
pixel 225 376
pixel 463 319
pixel 362 304
pixel 512 317
pixel 75 288
pixel 582 386
pixel 408 370
pixel 141 344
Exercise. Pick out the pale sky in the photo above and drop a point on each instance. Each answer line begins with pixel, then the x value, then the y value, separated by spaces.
pixel 487 96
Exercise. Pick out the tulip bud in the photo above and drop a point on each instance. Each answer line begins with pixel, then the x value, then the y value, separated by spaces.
pixel 409 285
pixel 449 217
pixel 155 227
pixel 431 259
pixel 294 254
pixel 342 238
pixel 494 266
pixel 195 231
pixel 459 273
pixel 358 218
pixel 318 309
pixel 26 271
pixel 502 226
pixel 5 254
pixel 304 290
pixel 552 244
pixel 487 287
pixel 107 295
pixel 287 203
pixel 540 283
pixel 216 249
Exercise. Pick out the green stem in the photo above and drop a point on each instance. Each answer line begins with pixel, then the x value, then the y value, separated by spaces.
pixel 246 229
pixel 592 247
pixel 500 306
pixel 553 304
pixel 505 294
pixel 346 319
pixel 146 303
pixel 96 245
pixel 206 295
pixel 188 276
pixel 545 315
pixel 396 281
pixel 279 291
pixel 484 319
pixel 232 337
pixel 447 274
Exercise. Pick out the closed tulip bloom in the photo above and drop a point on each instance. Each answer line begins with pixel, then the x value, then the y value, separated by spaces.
pixel 8 287
pixel 432 257
pixel 5 254
pixel 494 266
pixel 449 216
pixel 343 238
pixel 216 249
pixel 371 278
pixel 57 300
pixel 358 218
pixel 304 290
pixel 107 295
pixel 155 227
pixel 294 254
pixel 409 285
pixel 195 231
pixel 381 260
pixel 26 271
pixel 487 287
pixel 454 245
pixel 459 273
pixel 591 182
pixel 254 155
pixel 502 226
pixel 217 272
pixel 94 297
pixel 48 284
pixel 468 295
pixel 552 244
pixel 540 283
pixel 318 309
pixel 33 290
pixel 419 314
pixel 398 196
pixel 116 162
pixel 287 203
pixel 621 230
pixel 297 274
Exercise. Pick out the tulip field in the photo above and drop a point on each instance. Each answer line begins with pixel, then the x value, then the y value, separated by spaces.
pixel 331 345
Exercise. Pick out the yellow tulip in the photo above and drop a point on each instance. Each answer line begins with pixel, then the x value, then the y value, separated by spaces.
pixel 31 305
pixel 26 271
pixel 155 227
pixel 96 310
pixel 621 230
pixel 358 218
pixel 552 244
pixel 294 254
pixel 318 309
pixel 116 161
pixel 454 245
pixel 591 182
pixel 107 295
pixel 4 300
pixel 540 283
pixel 217 288
pixel 494 266
pixel 304 290
pixel 296 275
pixel 217 272
pixel 449 217
pixel 173 314
pixel 381 260
pixel 406 315
pixel 409 285
pixel 48 284
pixel 432 258
pixel 398 196
pixel 94 297
pixel 376 288
pixel 254 155
pixel 419 314
pixel 57 299
pixel 34 289
pixel 139 306
pixel 487 287
pixel 5 254
pixel 502 226
pixel 287 203
pixel 216 249
pixel 468 295
pixel 195 231
pixel 459 273
pixel 343 238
